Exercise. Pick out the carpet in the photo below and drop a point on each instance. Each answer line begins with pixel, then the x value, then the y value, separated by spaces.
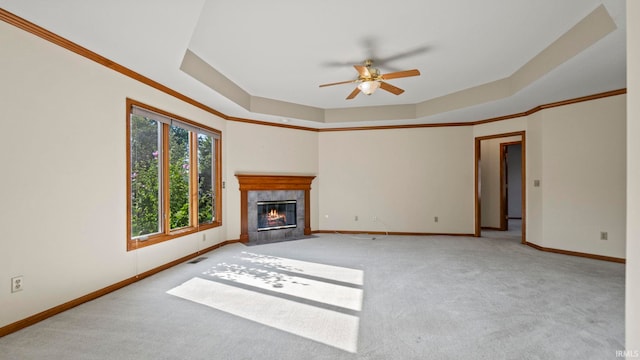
pixel 341 297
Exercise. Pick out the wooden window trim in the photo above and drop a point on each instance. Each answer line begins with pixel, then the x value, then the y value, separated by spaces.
pixel 167 233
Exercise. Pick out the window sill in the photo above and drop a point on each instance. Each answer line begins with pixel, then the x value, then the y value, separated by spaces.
pixel 135 244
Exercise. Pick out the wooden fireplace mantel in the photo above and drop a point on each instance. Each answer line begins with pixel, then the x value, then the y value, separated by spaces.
pixel 268 182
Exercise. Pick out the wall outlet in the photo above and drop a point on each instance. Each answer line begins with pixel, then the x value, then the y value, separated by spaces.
pixel 604 235
pixel 375 218
pixel 17 283
pixel 356 218
pixel 435 219
pixel 204 237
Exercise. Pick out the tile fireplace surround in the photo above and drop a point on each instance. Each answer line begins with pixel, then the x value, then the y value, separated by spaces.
pixel 273 187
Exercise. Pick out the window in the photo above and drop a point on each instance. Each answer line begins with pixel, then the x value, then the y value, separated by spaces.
pixel 174 176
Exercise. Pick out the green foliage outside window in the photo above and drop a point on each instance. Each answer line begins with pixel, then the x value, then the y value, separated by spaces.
pixel 178 177
pixel 146 177
pixel 145 215
pixel 205 179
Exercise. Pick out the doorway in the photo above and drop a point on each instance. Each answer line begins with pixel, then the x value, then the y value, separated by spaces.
pixel 510 185
pixel 500 180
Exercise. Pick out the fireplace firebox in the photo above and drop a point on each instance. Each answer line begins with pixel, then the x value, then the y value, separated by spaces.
pixel 274 215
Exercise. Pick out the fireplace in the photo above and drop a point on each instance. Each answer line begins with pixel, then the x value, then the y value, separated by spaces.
pixel 267 189
pixel 275 215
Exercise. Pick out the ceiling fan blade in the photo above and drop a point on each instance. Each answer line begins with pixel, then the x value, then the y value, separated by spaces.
pixel 363 71
pixel 353 94
pixel 400 74
pixel 409 53
pixel 338 83
pixel 390 88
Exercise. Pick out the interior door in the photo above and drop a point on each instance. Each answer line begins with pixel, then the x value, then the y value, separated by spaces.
pixel 511 175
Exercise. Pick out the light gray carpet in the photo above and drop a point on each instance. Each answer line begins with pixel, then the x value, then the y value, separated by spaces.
pixel 350 297
pixel 513 232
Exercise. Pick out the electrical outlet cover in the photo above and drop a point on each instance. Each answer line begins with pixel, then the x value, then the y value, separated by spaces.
pixel 16 284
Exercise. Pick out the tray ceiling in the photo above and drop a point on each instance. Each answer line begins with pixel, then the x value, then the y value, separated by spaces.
pixel 264 60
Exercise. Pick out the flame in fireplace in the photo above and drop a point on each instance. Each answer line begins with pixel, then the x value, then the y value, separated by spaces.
pixel 274 215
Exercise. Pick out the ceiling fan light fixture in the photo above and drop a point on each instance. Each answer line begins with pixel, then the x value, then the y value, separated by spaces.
pixel 369 80
pixel 369 87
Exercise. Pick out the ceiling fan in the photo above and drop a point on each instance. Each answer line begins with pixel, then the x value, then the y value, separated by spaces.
pixel 369 80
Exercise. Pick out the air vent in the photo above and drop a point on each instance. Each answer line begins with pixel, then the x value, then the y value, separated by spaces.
pixel 195 261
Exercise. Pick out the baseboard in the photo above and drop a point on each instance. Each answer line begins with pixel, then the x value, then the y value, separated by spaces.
pixel 579 254
pixel 537 247
pixel 21 324
pixel 353 232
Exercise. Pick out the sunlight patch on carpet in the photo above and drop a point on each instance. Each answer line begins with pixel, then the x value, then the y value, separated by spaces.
pixel 330 272
pixel 320 291
pixel 329 327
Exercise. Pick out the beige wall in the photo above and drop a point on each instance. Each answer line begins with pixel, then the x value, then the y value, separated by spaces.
pixel 266 149
pixel 403 177
pixel 583 177
pixel 534 195
pixel 501 127
pixel 633 178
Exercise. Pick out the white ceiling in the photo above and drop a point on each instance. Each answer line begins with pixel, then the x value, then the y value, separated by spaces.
pixel 283 49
